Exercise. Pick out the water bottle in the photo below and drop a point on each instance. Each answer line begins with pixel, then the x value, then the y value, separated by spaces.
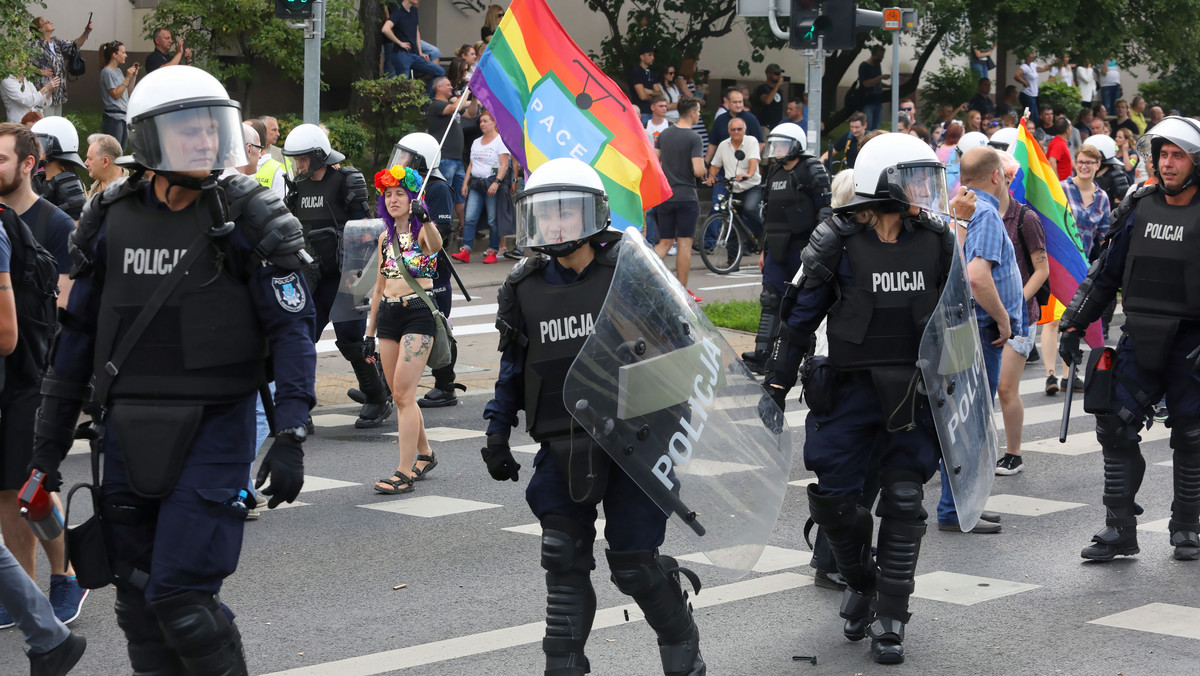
pixel 39 509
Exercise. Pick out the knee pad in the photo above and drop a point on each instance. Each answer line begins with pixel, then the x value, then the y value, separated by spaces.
pixel 135 619
pixel 833 513
pixel 901 496
pixel 1116 437
pixel 769 300
pixel 565 546
pixel 653 583
pixel 1185 437
pixel 201 633
pixel 635 573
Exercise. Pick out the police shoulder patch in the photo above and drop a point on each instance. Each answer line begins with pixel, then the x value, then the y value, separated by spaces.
pixel 289 293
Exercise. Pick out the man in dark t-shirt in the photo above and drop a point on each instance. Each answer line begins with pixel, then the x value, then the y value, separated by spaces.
pixel 642 81
pixel 982 101
pixel 441 114
pixel 162 44
pixel 403 50
pixel 767 102
pixel 682 155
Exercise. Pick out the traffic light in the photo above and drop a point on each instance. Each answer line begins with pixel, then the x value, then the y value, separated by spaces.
pixel 839 19
pixel 294 9
pixel 802 33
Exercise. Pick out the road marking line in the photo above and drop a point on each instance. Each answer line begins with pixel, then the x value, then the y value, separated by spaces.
pixel 728 286
pixel 524 634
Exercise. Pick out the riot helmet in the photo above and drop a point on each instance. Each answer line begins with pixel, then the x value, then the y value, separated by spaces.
pixel 1004 139
pixel 562 205
pixel 1105 144
pixel 1180 131
pixel 306 150
pixel 971 139
pixel 59 139
pixel 183 121
pixel 895 171
pixel 786 142
pixel 419 151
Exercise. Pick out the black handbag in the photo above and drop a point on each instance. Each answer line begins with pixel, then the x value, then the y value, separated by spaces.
pixel 74 62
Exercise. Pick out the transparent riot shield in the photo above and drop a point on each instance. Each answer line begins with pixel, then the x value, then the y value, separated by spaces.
pixel 955 380
pixel 661 390
pixel 360 265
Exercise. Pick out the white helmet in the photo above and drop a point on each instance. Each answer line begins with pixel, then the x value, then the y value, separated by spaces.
pixel 786 141
pixel 419 151
pixel 1004 138
pixel 1180 131
pixel 971 139
pixel 898 168
pixel 562 205
pixel 182 119
pixel 1104 143
pixel 59 139
pixel 308 141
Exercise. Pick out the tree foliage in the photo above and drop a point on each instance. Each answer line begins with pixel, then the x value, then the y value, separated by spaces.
pixel 16 45
pixel 676 29
pixel 948 86
pixel 228 36
pixel 1178 88
pixel 396 106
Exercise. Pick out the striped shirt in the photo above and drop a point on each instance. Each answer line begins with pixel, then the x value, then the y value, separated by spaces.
pixel 1091 221
pixel 988 239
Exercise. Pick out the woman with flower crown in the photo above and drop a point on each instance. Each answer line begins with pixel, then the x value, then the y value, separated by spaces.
pixel 400 318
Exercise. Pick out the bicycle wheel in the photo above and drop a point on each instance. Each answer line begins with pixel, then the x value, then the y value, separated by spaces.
pixel 720 249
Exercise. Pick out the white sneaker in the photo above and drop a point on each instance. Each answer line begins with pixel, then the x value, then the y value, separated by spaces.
pixel 672 251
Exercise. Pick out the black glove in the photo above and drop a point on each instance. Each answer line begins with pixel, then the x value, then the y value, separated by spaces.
pixel 499 458
pixel 369 349
pixel 771 406
pixel 418 212
pixel 1068 347
pixel 1195 355
pixel 285 465
pixel 52 439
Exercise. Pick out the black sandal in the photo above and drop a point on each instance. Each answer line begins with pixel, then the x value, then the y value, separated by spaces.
pixel 398 482
pixel 419 474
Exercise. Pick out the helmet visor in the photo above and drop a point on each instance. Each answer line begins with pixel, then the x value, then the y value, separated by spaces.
pixel 557 216
pixel 300 167
pixel 205 138
pixel 920 185
pixel 405 158
pixel 779 147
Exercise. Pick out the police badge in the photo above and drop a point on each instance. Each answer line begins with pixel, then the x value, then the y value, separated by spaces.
pixel 289 292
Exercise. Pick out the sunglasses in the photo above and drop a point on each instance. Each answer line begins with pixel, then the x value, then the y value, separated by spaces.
pixel 255 145
pixel 993 124
pixel 907 109
pixel 670 72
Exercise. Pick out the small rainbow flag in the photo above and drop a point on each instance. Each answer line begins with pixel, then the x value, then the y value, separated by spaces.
pixel 1036 185
pixel 549 101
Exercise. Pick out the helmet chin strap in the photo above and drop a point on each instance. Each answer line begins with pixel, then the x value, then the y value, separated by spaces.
pixel 1191 181
pixel 561 249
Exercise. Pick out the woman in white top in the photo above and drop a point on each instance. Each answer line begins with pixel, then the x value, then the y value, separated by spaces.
pixel 21 96
pixel 669 87
pixel 487 169
pixel 1062 71
pixel 467 52
pixel 1086 77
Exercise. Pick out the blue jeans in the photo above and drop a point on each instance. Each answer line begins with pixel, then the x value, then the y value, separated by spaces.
pixel 873 111
pixel 455 172
pixel 1108 96
pixel 751 199
pixel 979 70
pixel 651 227
pixel 947 514
pixel 27 605
pixel 475 202
pixel 1029 102
pixel 399 62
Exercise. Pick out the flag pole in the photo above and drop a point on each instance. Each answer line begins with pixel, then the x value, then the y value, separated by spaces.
pixel 442 142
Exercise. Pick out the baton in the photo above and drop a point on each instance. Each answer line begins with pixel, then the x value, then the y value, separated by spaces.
pixel 1066 416
pixel 454 273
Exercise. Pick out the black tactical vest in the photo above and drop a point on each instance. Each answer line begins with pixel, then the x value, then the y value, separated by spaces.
pixel 879 319
pixel 205 344
pixel 1162 268
pixel 66 192
pixel 321 204
pixel 791 215
pixel 557 320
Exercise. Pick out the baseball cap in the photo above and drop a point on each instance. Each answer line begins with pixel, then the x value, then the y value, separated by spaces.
pixel 774 69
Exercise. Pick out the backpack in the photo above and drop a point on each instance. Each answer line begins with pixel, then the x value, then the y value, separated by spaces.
pixel 34 272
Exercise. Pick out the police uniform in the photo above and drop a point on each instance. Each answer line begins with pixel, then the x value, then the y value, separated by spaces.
pixel 439 201
pixel 180 410
pixel 1114 182
pixel 865 415
pixel 64 191
pixel 545 315
pixel 323 208
pixel 1153 257
pixel 796 200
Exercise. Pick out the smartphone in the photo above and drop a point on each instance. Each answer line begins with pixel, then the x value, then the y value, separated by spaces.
pixel 89 19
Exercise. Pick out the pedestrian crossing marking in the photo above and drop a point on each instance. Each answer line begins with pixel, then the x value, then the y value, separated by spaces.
pixel 333 419
pixel 1026 506
pixel 429 506
pixel 316 483
pixel 965 590
pixel 1160 526
pixel 282 505
pixel 1157 618
pixel 450 433
pixel 526 448
pixel 536 529
pixel 1164 463
pixel 773 559
pixel 705 467
pixel 803 482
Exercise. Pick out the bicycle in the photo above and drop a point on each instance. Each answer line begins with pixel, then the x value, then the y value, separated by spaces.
pixel 732 235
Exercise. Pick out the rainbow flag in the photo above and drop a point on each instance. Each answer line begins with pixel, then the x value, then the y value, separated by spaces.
pixel 1037 185
pixel 549 101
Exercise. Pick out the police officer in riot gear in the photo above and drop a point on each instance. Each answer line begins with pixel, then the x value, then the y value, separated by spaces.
pixel 422 152
pixel 797 198
pixel 57 180
pixel 886 258
pixel 183 285
pixel 1111 176
pixel 562 214
pixel 324 198
pixel 1152 255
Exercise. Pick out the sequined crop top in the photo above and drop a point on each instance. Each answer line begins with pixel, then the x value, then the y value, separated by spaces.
pixel 405 249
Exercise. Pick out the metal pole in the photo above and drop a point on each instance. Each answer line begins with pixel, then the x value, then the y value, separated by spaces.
pixel 314 31
pixel 895 80
pixel 816 71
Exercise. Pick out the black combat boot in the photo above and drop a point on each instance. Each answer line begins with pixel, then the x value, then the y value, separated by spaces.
pixel 378 405
pixel 1185 510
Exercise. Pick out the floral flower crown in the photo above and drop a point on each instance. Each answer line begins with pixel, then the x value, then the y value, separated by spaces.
pixel 398 175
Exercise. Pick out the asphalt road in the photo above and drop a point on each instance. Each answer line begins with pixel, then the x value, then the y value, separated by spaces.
pixel 445 580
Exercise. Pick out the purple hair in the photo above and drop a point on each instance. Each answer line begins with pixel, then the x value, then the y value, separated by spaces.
pixel 414 226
